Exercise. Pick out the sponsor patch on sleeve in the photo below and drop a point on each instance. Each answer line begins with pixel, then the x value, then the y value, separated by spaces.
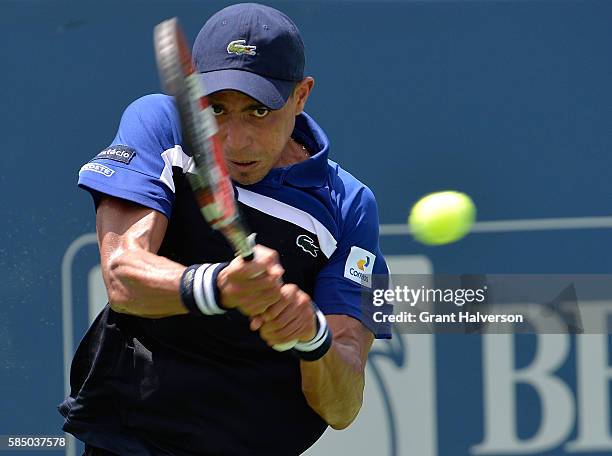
pixel 359 266
pixel 118 152
pixel 97 168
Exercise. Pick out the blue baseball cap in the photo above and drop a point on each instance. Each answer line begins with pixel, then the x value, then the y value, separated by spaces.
pixel 253 49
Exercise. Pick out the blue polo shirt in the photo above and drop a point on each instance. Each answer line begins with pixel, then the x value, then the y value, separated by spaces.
pixel 189 385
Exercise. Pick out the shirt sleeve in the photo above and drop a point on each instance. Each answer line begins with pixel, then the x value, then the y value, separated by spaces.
pixel 137 165
pixel 345 285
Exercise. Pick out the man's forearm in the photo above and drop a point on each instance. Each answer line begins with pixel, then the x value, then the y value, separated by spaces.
pixel 144 284
pixel 138 281
pixel 333 385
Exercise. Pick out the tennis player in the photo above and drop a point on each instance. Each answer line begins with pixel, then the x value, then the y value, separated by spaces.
pixel 180 361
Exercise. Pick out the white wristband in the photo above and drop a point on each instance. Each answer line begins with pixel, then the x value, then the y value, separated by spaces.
pixel 318 339
pixel 204 289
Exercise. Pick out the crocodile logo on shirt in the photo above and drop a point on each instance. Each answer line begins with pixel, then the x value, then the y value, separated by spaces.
pixel 307 245
pixel 239 47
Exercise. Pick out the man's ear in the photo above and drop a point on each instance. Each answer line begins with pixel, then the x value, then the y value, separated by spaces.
pixel 301 93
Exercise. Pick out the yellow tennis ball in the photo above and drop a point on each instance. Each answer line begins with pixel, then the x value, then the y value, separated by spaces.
pixel 442 217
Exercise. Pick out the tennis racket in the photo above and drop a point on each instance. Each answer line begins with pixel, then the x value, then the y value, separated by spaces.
pixel 211 182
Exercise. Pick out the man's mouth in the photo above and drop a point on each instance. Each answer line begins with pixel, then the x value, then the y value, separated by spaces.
pixel 243 164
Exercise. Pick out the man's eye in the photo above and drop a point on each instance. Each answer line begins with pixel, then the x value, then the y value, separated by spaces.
pixel 261 112
pixel 217 110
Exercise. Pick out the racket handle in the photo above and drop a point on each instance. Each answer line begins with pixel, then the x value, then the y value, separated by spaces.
pixel 250 241
pixel 278 347
pixel 286 346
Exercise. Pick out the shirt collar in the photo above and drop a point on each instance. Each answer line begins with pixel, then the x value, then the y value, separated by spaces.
pixel 308 173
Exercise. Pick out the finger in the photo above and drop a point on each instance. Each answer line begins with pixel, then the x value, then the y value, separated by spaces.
pixel 256 305
pixel 287 317
pixel 256 287
pixel 281 320
pixel 289 295
pixel 256 323
pixel 250 301
pixel 252 288
pixel 276 271
pixel 293 300
pixel 238 271
pixel 274 311
pixel 248 270
pixel 292 331
pixel 266 256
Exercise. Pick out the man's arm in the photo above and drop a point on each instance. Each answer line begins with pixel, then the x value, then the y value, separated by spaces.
pixel 141 283
pixel 333 385
pixel 138 281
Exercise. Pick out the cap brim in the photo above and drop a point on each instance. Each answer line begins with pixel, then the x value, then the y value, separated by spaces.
pixel 272 93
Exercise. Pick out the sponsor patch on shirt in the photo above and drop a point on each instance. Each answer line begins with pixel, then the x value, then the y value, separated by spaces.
pixel 118 152
pixel 97 168
pixel 359 266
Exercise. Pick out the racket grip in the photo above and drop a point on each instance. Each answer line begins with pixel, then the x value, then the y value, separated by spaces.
pixel 251 242
pixel 286 346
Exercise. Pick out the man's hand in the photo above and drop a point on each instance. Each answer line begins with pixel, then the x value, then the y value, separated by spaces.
pixel 252 286
pixel 291 318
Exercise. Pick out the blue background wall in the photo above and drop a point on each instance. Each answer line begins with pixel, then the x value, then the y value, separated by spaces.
pixel 509 101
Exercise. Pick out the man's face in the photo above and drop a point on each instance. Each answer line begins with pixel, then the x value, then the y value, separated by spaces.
pixel 254 137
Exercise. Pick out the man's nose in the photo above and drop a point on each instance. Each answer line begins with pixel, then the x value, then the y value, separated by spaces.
pixel 235 135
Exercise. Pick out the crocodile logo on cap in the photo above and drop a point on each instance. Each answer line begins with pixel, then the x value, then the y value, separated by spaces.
pixel 239 47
